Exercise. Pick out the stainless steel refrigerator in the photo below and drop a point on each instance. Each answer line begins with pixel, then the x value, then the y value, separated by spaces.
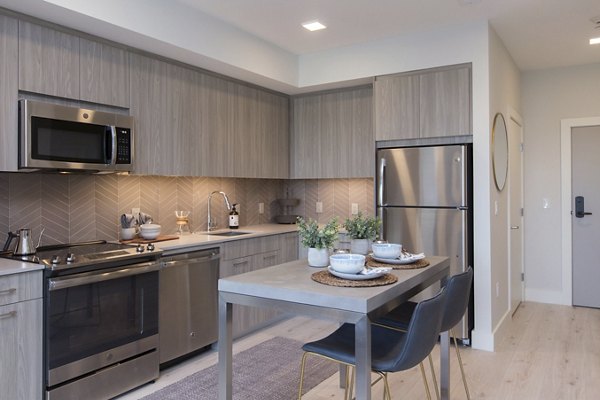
pixel 424 200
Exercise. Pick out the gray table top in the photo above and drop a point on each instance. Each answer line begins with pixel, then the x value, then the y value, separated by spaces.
pixel 291 282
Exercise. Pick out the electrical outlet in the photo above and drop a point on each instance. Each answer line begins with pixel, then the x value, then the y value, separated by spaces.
pixel 135 211
pixel 261 208
pixel 319 207
pixel 354 208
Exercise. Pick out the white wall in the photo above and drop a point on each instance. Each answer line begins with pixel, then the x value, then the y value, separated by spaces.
pixel 504 84
pixel 549 96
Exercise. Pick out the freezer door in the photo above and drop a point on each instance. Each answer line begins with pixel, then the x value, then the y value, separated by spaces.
pixel 440 232
pixel 422 176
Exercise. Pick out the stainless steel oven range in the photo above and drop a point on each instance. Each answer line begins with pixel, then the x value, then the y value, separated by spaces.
pixel 100 319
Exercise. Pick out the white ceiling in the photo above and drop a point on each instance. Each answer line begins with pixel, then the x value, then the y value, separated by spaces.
pixel 538 33
pixel 262 41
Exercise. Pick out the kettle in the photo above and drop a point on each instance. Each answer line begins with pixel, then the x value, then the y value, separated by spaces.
pixel 24 244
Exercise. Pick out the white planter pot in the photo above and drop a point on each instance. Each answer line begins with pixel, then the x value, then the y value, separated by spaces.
pixel 318 257
pixel 359 246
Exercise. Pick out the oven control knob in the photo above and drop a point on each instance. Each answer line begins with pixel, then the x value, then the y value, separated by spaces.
pixel 140 248
pixel 55 260
pixel 150 247
pixel 70 257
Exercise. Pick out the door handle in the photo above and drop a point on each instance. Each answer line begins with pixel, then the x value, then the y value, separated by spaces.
pixel 580 207
pixel 514 227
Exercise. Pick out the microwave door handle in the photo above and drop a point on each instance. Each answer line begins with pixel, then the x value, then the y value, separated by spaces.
pixel 112 158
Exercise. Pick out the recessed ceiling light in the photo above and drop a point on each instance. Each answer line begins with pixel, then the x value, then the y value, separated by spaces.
pixel 313 26
pixel 595 40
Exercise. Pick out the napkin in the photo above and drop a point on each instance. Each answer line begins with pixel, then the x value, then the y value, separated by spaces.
pixel 377 270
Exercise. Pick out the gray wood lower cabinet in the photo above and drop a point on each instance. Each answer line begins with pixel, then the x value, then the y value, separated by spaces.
pixel 21 336
pixel 9 51
pixel 332 135
pixel 240 256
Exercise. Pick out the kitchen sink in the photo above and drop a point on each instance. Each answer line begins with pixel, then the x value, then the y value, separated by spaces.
pixel 229 233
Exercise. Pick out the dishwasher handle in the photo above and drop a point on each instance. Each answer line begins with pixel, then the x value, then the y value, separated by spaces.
pixel 182 261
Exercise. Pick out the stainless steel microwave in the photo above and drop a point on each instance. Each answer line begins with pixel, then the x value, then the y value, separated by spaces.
pixel 57 137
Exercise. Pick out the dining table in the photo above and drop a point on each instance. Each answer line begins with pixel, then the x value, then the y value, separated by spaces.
pixel 290 288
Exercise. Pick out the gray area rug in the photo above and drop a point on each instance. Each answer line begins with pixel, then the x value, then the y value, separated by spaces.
pixel 267 371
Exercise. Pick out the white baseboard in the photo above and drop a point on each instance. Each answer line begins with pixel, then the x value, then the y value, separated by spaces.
pixel 547 296
pixel 486 340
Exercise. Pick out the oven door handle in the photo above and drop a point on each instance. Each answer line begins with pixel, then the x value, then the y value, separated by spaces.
pixel 137 269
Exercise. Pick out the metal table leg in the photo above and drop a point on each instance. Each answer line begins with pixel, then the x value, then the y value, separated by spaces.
pixel 225 349
pixel 445 365
pixel 362 348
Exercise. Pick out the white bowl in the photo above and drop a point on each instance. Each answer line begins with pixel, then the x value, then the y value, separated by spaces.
pixel 347 263
pixel 386 250
pixel 150 231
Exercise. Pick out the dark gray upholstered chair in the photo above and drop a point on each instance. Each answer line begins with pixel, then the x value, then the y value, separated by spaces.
pixel 458 289
pixel 391 350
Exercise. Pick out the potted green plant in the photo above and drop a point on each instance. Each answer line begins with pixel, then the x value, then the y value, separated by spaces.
pixel 318 240
pixel 362 230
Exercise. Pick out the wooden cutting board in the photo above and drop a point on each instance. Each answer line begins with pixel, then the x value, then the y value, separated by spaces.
pixel 160 238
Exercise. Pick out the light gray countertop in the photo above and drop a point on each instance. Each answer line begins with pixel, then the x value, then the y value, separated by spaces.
pixel 8 267
pixel 204 240
pixel 185 242
pixel 291 283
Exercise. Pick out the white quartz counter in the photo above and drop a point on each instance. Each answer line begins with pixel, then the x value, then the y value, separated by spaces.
pixel 8 267
pixel 203 240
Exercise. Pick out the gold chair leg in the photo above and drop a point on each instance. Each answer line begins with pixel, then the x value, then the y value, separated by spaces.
pixel 434 378
pixel 425 381
pixel 302 363
pixel 460 364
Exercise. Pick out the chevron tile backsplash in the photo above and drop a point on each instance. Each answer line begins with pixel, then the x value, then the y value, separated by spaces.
pixel 74 208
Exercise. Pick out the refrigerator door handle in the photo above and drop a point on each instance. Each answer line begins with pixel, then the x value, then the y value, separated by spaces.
pixel 382 164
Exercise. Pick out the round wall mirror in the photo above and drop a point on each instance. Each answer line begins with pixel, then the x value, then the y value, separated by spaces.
pixel 499 151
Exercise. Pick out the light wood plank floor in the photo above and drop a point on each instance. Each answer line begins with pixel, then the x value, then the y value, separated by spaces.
pixel 550 352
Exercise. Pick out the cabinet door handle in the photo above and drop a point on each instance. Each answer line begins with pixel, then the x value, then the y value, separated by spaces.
pixel 8 315
pixel 8 291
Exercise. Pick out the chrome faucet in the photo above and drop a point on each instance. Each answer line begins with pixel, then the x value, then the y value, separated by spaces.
pixel 213 224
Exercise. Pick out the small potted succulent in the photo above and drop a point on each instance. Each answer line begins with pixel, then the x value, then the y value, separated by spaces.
pixel 318 240
pixel 362 230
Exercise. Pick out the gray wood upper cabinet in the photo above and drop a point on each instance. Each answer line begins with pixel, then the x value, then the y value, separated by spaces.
pixel 59 64
pixel 260 140
pixel 445 102
pixel 153 146
pixel 396 107
pixel 431 103
pixel 332 134
pixel 104 73
pixel 9 50
pixel 48 61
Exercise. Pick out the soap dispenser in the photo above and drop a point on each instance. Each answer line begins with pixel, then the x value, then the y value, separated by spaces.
pixel 234 217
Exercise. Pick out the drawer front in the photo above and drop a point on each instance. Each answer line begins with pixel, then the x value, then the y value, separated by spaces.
pixel 248 247
pixel 21 350
pixel 20 287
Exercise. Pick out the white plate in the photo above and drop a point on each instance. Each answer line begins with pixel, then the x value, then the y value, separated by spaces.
pixel 358 277
pixel 400 261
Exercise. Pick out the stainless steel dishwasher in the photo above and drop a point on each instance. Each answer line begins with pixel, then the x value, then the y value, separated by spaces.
pixel 188 302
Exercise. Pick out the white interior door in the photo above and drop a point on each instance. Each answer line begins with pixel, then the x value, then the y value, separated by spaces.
pixel 585 187
pixel 515 187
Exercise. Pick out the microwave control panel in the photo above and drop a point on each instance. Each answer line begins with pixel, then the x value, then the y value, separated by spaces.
pixel 123 146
